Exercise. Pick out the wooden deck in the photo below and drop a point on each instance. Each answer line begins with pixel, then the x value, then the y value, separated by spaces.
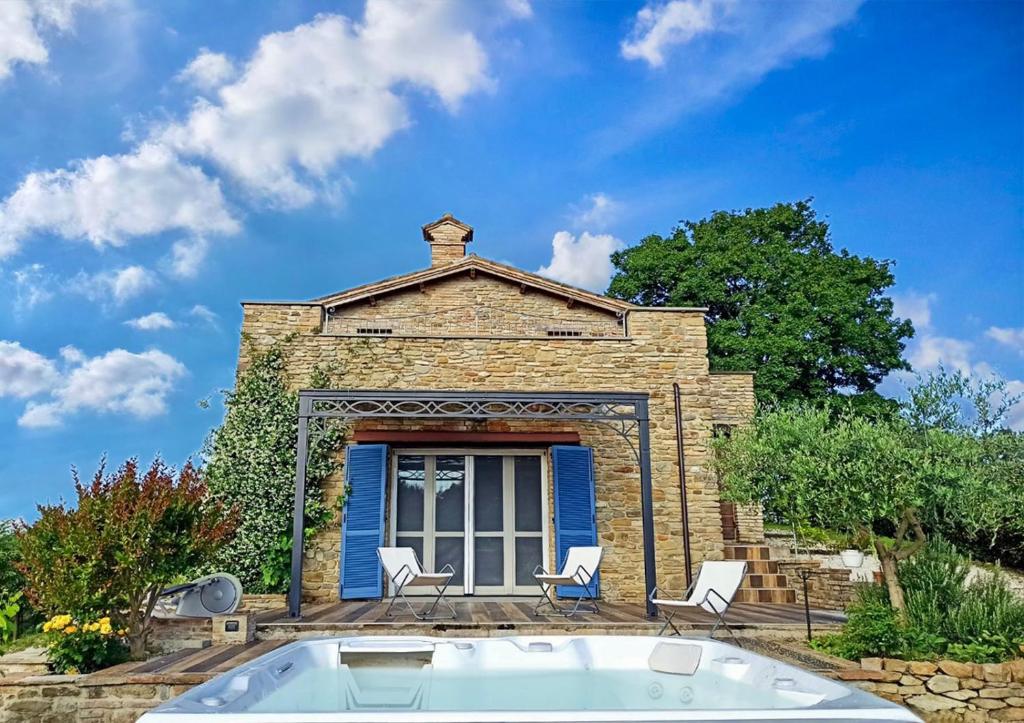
pixel 478 618
pixel 516 614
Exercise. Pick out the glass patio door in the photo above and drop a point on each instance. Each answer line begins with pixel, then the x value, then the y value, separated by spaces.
pixel 482 513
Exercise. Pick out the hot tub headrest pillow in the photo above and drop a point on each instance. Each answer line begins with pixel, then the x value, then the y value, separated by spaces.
pixel 675 658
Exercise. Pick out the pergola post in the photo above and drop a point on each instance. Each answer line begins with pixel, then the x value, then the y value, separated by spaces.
pixel 647 502
pixel 299 512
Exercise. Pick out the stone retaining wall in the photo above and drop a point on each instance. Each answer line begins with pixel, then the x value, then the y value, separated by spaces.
pixel 827 589
pixel 945 690
pixel 87 698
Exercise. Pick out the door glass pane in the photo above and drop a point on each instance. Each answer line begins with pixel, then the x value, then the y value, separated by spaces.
pixel 449 550
pixel 487 494
pixel 528 494
pixel 528 556
pixel 489 561
pixel 409 500
pixel 450 494
pixel 412 541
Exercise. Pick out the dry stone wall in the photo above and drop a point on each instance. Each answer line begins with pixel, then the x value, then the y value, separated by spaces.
pixel 945 690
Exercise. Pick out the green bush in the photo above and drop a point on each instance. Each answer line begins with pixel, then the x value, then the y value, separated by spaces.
pixel 981 621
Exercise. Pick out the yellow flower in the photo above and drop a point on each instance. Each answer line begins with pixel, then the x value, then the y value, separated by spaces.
pixel 72 671
pixel 122 632
pixel 106 630
pixel 104 621
pixel 70 629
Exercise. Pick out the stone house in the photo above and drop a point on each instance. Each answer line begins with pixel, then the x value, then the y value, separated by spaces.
pixel 497 496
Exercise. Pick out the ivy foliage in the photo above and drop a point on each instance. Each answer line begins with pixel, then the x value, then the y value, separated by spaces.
pixel 250 464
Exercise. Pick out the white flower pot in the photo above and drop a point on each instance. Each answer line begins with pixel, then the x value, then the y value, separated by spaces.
pixel 852 558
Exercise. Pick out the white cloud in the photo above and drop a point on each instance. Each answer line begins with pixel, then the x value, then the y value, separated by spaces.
pixel 23 23
pixel 928 351
pixel 712 50
pixel 208 70
pixel 519 8
pixel 24 373
pixel 204 314
pixel 595 211
pixel 72 354
pixel 916 307
pixel 116 382
pixel 1007 336
pixel 152 322
pixel 110 199
pixel 32 286
pixel 329 90
pixel 582 261
pixel 119 285
pixel 659 27
pixel 187 256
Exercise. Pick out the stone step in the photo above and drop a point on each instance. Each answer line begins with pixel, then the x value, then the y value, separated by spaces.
pixel 762 567
pixel 756 581
pixel 768 595
pixel 747 552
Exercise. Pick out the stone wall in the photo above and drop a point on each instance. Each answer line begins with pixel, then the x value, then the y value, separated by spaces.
pixel 946 690
pixel 733 405
pixel 663 347
pixel 827 589
pixel 87 698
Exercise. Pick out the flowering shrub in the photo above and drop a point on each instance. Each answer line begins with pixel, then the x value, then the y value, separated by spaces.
pixel 132 533
pixel 82 646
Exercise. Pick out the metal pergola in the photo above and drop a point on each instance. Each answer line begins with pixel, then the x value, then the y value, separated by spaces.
pixel 624 412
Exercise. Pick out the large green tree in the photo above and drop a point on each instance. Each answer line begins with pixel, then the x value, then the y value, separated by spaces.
pixel 812 321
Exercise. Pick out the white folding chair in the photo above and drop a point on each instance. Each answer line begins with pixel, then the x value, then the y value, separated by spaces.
pixel 404 570
pixel 713 590
pixel 579 569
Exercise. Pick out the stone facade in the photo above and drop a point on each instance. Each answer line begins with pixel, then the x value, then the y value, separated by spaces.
pixel 733 405
pixel 637 350
pixel 945 690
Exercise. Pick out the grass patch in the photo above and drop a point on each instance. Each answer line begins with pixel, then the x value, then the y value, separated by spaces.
pixel 28 640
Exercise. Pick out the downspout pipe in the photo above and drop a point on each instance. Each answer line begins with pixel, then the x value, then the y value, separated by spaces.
pixel 681 455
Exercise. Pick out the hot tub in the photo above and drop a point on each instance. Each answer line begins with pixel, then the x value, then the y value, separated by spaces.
pixel 539 679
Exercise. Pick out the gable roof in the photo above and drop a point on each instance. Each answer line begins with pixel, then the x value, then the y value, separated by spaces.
pixel 473 262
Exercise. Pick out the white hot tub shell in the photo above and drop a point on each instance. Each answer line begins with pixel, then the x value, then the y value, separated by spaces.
pixel 540 679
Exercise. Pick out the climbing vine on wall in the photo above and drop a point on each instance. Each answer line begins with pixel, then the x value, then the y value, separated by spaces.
pixel 250 464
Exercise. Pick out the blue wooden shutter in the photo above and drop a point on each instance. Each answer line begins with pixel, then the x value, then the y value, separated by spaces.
pixel 575 523
pixel 362 525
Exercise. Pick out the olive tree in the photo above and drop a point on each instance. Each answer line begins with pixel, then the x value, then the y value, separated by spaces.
pixel 882 480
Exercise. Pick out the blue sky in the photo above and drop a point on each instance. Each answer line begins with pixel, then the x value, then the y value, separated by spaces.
pixel 160 162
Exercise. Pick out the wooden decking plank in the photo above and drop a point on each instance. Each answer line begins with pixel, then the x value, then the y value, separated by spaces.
pixel 156 664
pixel 251 652
pixel 494 613
pixel 512 612
pixel 222 654
pixel 270 615
pixel 197 658
pixel 318 611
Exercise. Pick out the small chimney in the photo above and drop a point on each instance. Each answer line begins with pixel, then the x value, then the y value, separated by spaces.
pixel 447 237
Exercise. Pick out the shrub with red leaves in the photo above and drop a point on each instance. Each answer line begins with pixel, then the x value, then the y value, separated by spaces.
pixel 129 537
